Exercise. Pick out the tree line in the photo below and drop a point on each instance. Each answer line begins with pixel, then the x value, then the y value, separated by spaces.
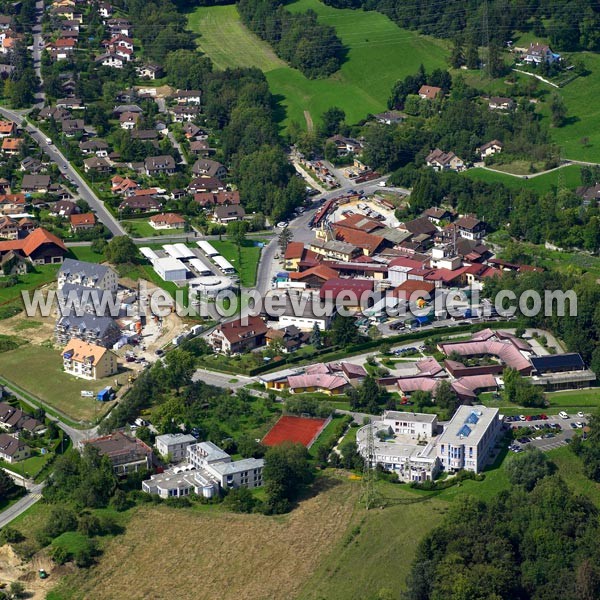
pixel 297 38
pixel 526 543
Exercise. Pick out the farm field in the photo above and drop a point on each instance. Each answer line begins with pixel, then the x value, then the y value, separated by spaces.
pixel 249 256
pixel 571 175
pixel 38 370
pixel 379 53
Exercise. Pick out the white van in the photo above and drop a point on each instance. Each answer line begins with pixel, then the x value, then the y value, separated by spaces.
pixel 563 415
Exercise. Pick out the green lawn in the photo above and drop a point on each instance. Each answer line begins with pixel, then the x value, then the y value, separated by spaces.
pixel 141 228
pixel 86 253
pixel 40 276
pixel 379 53
pixel 38 370
pixel 29 467
pixel 249 256
pixel 571 175
pixel 587 400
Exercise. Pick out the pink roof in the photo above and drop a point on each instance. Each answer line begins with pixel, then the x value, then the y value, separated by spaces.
pixel 429 366
pixel 317 380
pixel 478 382
pixel 319 368
pixel 402 261
pixel 413 384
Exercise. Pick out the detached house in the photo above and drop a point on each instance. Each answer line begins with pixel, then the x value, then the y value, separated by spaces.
pixel 82 222
pixel 489 149
pixel 12 449
pixel 188 96
pixel 159 165
pixel 240 335
pixel 212 168
pixel 429 92
pixel 441 161
pixel 35 183
pixel 540 53
pixel 126 454
pixel 166 221
pixel 227 214
pixel 470 227
pixel 150 71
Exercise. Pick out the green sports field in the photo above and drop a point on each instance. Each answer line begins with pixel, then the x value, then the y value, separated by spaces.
pixel 379 53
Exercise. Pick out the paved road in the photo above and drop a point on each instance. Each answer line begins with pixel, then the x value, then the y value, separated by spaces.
pixel 224 380
pixel 38 42
pixel 84 190
pixel 19 507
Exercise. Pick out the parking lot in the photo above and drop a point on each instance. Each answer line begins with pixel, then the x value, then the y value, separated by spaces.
pixel 549 433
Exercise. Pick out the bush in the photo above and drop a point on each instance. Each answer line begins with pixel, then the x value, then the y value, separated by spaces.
pixel 240 500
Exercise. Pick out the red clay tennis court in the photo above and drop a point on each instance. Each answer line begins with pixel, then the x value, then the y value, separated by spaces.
pixel 294 429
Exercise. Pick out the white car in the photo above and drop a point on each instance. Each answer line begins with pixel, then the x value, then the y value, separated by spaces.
pixel 580 415
pixel 563 415
pixel 282 224
pixel 579 425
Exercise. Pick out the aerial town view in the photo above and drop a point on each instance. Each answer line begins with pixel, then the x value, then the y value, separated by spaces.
pixel 299 300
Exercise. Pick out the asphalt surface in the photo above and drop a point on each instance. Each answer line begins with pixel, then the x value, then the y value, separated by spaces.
pixel 19 507
pixel 560 437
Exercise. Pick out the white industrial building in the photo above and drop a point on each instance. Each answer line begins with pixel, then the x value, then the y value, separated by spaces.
pixel 170 269
pixel 200 267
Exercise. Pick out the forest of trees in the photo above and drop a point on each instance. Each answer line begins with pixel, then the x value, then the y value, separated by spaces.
pixel 570 25
pixel 535 541
pixel 297 38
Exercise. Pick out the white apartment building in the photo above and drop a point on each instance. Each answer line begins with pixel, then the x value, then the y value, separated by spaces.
pixel 174 445
pixel 468 438
pixel 87 274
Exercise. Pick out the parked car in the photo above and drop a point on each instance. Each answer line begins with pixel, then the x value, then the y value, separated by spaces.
pixel 580 415
pixel 563 415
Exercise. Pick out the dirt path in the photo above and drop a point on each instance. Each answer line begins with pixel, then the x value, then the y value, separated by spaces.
pixel 12 568
pixel 309 121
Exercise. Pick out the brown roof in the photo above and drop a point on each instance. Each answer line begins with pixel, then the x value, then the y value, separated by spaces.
pixel 358 238
pixel 294 250
pixel 83 352
pixel 467 222
pixel 169 218
pixel 83 219
pixel 320 271
pixel 429 91
pixel 234 331
pixel 420 225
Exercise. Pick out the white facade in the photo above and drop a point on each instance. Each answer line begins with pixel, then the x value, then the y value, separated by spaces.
pixel 468 438
pixel 174 445
pixel 170 269
pixel 416 425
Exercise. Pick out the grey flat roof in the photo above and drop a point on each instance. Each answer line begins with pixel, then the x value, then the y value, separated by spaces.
pixel 246 464
pixel 397 415
pixel 476 419
pixel 175 438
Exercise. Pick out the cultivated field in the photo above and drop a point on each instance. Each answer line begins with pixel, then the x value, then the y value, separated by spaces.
pixel 379 53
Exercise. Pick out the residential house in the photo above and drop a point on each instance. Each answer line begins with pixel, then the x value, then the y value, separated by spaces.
pixel 204 183
pixel 144 135
pixel 239 335
pixel 7 128
pixel 140 204
pixel 217 198
pixel 293 255
pixel 64 208
pixel 288 339
pixel 174 445
pixel 112 60
pixel 150 71
pixel 96 165
pixel 87 274
pixel 470 227
pixel 589 194
pixel 159 165
pixel 201 148
pixel 94 146
pixel 13 419
pixel 82 222
pixel 490 148
pixel 345 145
pixel 88 361
pixel 70 103
pixel 12 449
pixel 166 221
pixel 335 249
pixel 390 117
pixel 35 183
pixel 188 97
pixel 441 161
pixel 9 228
pixel 11 146
pixel 128 120
pixel 181 114
pixel 105 10
pixel 212 168
pixel 429 92
pixel 538 53
pixel 126 454
pixel 436 215
pixel 119 26
pixel 227 214
pixel 324 383
pixel 31 165
pixel 123 185
pixel 72 127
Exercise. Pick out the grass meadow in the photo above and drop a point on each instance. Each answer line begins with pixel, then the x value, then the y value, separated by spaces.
pixel 379 53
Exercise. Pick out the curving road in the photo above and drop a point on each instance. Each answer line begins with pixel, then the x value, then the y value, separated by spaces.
pixel 21 505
